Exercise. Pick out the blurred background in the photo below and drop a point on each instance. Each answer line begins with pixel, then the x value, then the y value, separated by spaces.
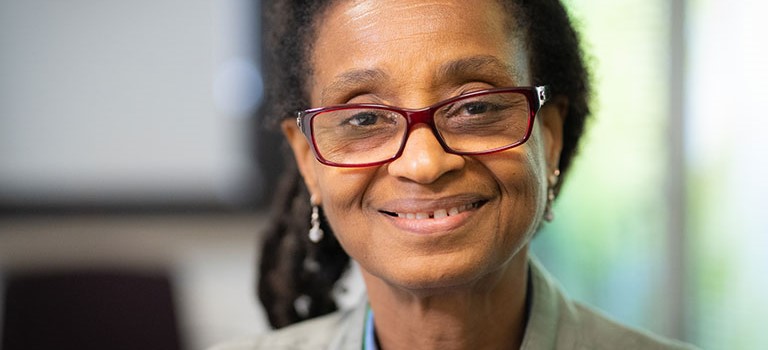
pixel 131 167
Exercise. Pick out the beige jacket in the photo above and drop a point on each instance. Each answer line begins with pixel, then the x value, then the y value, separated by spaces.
pixel 555 322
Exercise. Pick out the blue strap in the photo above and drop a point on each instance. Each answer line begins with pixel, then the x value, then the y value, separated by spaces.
pixel 369 336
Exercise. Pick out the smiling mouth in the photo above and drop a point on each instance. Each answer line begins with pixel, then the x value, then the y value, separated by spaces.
pixel 437 214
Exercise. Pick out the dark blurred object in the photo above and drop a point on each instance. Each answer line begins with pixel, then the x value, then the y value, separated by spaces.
pixel 89 310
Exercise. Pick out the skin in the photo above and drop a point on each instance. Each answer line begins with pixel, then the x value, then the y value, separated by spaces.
pixel 450 283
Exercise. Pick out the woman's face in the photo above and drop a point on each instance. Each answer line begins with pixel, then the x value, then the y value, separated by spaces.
pixel 412 54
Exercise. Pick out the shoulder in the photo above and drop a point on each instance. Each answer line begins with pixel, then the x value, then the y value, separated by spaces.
pixel 557 322
pixel 598 331
pixel 337 330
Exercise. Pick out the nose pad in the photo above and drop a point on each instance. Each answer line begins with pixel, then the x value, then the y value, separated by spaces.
pixel 424 160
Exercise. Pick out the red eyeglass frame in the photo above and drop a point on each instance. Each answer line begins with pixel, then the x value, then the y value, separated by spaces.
pixel 537 96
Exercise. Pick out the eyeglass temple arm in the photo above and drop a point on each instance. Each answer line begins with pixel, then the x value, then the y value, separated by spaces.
pixel 299 118
pixel 542 93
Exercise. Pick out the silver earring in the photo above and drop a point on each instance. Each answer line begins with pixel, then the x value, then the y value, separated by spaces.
pixel 315 232
pixel 549 215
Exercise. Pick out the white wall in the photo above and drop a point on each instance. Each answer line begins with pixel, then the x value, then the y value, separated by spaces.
pixel 125 101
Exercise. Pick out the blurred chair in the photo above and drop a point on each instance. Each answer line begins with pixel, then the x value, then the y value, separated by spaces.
pixel 85 310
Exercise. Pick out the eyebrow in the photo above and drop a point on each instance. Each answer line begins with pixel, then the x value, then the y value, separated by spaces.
pixel 482 66
pixel 353 81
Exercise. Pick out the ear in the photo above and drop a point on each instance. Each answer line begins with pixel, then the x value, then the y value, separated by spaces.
pixel 305 159
pixel 553 116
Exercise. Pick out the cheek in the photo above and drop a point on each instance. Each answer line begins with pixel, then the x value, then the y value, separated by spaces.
pixel 536 157
pixel 535 173
pixel 521 174
pixel 342 193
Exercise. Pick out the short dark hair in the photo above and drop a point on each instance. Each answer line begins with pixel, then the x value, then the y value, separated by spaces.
pixel 289 266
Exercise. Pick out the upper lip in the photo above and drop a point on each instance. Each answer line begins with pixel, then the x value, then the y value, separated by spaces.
pixel 429 205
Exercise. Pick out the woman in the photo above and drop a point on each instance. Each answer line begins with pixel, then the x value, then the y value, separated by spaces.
pixel 432 139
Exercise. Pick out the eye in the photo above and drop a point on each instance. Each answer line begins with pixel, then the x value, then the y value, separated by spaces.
pixel 470 108
pixel 363 119
pixel 476 107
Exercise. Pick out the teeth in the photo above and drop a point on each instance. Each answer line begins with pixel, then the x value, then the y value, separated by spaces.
pixel 437 214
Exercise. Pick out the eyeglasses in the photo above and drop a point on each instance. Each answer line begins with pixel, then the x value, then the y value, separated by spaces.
pixel 480 122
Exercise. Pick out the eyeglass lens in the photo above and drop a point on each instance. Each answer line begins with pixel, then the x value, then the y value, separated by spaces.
pixel 373 134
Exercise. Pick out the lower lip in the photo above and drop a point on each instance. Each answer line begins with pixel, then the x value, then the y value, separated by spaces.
pixel 432 226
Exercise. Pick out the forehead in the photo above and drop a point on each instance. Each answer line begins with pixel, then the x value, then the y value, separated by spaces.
pixel 402 40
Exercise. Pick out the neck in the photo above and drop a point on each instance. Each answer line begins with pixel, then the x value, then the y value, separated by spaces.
pixel 486 314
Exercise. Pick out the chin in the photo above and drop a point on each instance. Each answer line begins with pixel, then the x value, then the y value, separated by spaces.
pixel 452 273
pixel 433 277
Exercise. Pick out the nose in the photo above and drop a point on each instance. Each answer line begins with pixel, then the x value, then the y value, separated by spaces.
pixel 423 159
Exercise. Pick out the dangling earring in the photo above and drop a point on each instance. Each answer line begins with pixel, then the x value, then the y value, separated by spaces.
pixel 549 215
pixel 315 232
